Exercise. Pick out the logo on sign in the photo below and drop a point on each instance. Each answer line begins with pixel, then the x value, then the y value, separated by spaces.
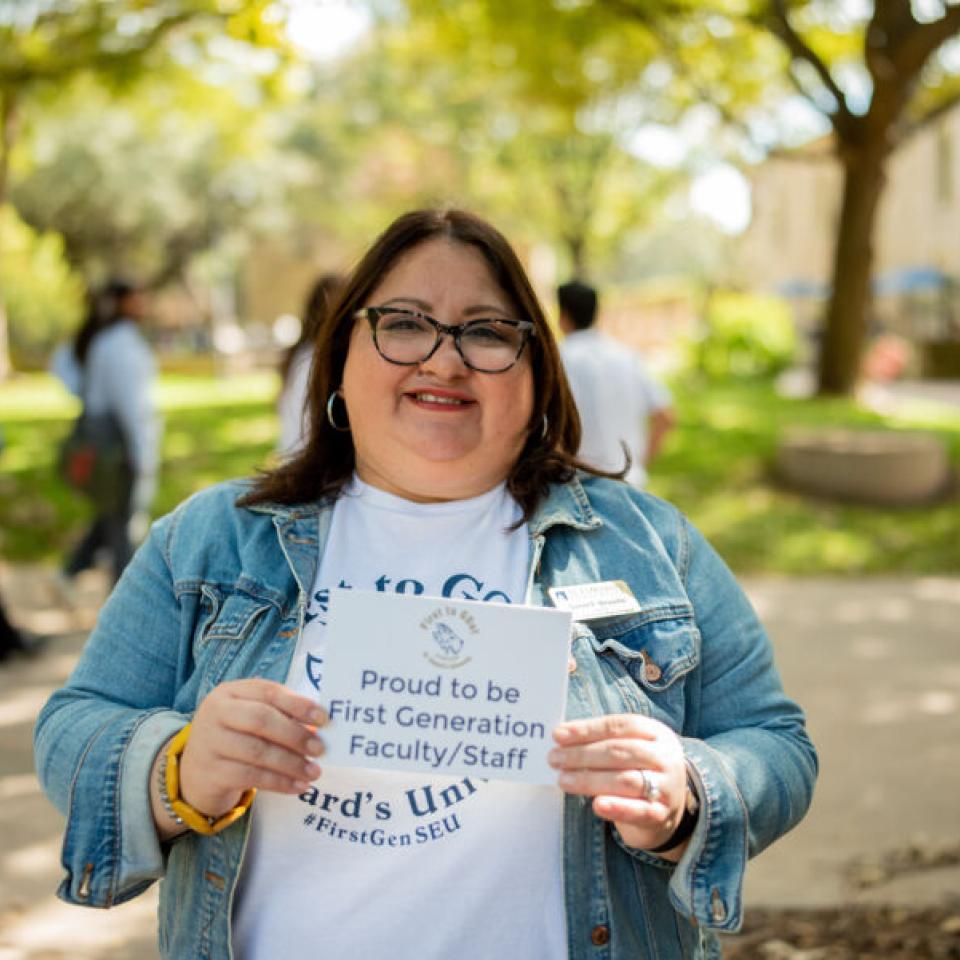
pixel 448 629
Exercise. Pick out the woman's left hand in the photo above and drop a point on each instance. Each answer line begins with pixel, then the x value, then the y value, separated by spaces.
pixel 632 766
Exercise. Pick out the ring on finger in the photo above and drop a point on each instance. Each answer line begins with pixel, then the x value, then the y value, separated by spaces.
pixel 651 789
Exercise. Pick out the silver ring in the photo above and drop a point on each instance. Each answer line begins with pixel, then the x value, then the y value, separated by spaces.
pixel 651 790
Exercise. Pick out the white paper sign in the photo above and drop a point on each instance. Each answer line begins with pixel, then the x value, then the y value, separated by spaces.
pixel 443 686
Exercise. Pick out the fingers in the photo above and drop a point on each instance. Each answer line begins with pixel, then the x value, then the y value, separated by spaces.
pixel 618 742
pixel 277 696
pixel 607 754
pixel 250 733
pixel 252 757
pixel 632 766
pixel 609 727
pixel 262 721
pixel 628 784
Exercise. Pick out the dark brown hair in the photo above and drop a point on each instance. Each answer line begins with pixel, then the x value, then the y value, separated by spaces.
pixel 578 301
pixel 104 309
pixel 326 460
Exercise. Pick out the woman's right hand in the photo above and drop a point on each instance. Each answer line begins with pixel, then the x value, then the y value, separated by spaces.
pixel 249 733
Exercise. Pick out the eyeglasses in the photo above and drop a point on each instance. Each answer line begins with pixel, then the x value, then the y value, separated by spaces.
pixel 407 337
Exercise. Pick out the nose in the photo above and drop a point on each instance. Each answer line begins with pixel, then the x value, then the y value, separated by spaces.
pixel 446 360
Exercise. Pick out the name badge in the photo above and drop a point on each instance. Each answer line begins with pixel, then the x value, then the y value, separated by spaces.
pixel 593 601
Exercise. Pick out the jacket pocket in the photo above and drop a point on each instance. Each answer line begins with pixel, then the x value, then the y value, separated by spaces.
pixel 652 651
pixel 233 620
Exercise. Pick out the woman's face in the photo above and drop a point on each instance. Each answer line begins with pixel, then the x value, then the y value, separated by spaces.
pixel 437 430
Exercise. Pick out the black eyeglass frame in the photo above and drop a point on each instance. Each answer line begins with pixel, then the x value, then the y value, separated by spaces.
pixel 455 331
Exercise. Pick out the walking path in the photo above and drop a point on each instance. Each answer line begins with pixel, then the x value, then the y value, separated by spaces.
pixel 875 663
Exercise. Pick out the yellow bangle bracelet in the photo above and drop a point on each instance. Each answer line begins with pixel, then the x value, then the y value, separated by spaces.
pixel 191 817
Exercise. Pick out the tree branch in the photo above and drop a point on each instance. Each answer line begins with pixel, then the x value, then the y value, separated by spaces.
pixel 925 39
pixel 650 15
pixel 779 24
pixel 891 21
pixel 64 65
pixel 910 128
pixel 640 12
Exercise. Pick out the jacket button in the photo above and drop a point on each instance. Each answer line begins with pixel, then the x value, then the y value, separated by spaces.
pixel 718 909
pixel 651 671
pixel 600 935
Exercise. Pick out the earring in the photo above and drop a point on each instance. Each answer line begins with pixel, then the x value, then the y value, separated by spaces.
pixel 333 423
pixel 545 428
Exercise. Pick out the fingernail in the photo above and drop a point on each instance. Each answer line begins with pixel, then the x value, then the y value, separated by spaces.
pixel 314 747
pixel 561 733
pixel 319 716
pixel 301 785
pixel 311 770
pixel 554 758
pixel 566 779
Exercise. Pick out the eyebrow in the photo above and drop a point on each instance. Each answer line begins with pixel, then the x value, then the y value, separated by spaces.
pixel 481 309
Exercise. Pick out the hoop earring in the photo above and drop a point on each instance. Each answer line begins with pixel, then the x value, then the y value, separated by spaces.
pixel 333 423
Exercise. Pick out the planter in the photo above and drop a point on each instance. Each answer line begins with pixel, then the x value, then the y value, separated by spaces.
pixel 866 466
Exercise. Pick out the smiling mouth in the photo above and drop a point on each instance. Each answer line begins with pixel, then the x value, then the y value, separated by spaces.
pixel 424 396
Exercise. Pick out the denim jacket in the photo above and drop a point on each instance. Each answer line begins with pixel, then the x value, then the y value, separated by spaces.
pixel 218 593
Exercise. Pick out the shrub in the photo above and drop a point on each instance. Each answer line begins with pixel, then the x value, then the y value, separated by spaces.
pixel 746 336
pixel 43 297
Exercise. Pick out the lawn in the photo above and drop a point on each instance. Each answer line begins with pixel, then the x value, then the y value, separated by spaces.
pixel 715 467
pixel 213 428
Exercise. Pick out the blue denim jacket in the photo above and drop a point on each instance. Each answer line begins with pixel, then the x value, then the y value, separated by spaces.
pixel 218 593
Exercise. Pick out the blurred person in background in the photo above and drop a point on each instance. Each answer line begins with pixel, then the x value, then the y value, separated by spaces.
pixel 620 403
pixel 110 367
pixel 295 366
pixel 15 640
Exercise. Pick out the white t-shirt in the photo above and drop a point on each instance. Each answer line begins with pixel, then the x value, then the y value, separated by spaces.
pixel 395 865
pixel 615 395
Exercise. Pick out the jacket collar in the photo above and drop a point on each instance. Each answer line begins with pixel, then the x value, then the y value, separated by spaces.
pixel 566 504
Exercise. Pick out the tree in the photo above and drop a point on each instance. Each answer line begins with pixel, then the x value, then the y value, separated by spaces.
pixel 142 184
pixel 44 45
pixel 830 52
pixel 897 46
pixel 540 99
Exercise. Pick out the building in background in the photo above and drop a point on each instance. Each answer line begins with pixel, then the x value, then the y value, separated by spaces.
pixel 788 247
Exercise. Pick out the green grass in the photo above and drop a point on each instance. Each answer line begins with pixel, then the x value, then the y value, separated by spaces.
pixel 716 467
pixel 214 428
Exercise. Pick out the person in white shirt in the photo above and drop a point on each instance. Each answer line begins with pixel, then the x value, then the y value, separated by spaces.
pixel 110 366
pixel 621 405
pixel 296 365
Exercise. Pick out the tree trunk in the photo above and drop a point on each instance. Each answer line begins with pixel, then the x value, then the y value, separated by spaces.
pixel 577 248
pixel 846 321
pixel 7 136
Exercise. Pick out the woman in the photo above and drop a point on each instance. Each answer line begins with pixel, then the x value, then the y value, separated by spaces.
pixel 295 366
pixel 110 367
pixel 437 446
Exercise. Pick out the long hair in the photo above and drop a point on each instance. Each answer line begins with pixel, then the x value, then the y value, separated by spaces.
pixel 327 459
pixel 103 311
pixel 315 309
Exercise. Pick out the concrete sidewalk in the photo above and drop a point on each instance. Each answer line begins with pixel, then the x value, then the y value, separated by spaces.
pixel 875 663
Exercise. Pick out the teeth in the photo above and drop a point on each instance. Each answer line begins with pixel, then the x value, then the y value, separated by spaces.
pixel 433 398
